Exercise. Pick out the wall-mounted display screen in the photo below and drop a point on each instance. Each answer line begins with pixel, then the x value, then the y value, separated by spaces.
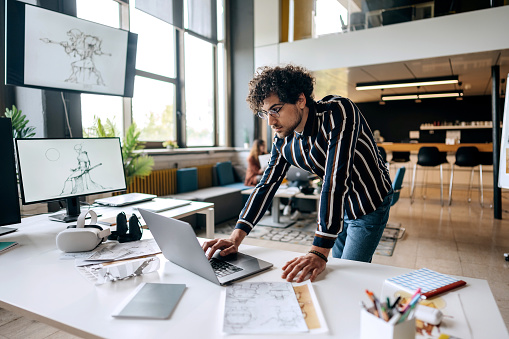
pixel 47 49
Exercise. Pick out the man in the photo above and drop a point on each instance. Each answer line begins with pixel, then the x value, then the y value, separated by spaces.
pixel 332 139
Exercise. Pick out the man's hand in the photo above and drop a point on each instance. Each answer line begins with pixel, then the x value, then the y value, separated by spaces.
pixel 227 246
pixel 309 264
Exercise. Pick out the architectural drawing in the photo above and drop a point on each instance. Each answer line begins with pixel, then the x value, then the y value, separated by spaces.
pixel 80 180
pixel 84 48
pixel 262 308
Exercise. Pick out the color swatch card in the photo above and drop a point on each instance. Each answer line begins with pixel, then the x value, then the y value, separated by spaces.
pixel 431 283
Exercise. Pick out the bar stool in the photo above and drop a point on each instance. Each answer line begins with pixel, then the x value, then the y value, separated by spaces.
pixel 400 157
pixel 485 158
pixel 430 157
pixel 467 156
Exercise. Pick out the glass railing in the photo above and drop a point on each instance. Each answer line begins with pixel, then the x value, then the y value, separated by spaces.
pixel 344 16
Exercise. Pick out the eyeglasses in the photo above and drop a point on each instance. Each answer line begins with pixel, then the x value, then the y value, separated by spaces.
pixel 272 112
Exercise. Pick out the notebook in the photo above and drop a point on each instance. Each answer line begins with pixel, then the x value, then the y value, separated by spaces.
pixel 431 283
pixel 125 199
pixel 7 245
pixel 178 242
pixel 161 204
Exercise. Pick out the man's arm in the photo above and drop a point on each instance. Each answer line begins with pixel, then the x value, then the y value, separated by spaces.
pixel 254 209
pixel 264 192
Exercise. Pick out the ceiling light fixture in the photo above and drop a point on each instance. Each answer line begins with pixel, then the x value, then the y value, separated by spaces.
pixel 418 96
pixel 364 86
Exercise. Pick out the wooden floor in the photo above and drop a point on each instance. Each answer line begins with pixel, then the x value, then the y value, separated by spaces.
pixel 463 239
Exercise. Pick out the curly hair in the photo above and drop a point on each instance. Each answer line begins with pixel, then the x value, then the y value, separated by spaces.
pixel 287 82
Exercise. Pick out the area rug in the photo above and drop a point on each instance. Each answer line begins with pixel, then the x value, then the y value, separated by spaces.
pixel 302 233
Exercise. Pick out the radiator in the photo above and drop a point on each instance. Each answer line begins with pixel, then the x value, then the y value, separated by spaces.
pixel 164 182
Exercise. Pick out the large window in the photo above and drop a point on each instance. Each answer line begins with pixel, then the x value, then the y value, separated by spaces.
pixel 94 106
pixel 199 71
pixel 154 109
pixel 153 103
pixel 179 85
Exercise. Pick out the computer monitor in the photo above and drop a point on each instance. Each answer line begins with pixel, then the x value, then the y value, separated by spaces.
pixel 51 50
pixel 57 169
pixel 9 197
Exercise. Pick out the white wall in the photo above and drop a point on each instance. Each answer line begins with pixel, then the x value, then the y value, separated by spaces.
pixel 471 32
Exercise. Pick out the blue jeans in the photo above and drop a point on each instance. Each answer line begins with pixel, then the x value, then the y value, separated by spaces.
pixel 361 236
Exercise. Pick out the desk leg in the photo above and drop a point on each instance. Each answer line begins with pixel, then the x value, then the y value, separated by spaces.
pixel 209 223
pixel 276 213
pixel 275 219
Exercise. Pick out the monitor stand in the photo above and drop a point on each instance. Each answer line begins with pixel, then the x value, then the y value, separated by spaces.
pixel 72 211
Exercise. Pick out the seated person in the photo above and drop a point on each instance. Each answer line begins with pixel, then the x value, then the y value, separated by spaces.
pixel 254 171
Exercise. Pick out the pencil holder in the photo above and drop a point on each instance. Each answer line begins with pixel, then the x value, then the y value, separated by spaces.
pixel 374 327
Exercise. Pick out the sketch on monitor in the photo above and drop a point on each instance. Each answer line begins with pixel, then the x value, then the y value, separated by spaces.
pixel 80 180
pixel 82 48
pixel 62 51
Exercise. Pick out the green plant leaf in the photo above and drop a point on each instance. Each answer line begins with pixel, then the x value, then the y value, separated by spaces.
pixel 19 123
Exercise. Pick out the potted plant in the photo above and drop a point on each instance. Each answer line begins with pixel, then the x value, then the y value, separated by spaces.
pixel 170 144
pixel 19 123
pixel 136 164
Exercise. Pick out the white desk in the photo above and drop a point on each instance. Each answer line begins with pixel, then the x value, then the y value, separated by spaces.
pixel 35 283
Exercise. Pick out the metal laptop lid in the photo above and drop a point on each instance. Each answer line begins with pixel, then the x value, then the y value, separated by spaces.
pixel 178 242
pixel 125 199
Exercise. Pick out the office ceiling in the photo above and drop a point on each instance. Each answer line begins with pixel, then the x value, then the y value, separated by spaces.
pixel 473 70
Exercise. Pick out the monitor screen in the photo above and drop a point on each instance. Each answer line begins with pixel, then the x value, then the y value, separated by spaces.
pixel 47 49
pixel 54 169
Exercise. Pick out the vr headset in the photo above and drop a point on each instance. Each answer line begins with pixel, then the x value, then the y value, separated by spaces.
pixel 81 237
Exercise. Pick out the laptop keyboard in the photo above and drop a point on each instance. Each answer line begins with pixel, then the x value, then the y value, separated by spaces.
pixel 223 268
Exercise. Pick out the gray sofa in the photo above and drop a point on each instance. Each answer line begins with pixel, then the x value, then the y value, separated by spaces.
pixel 226 196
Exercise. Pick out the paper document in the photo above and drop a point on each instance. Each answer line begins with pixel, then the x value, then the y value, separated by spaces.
pixel 256 308
pixel 117 251
pixel 310 308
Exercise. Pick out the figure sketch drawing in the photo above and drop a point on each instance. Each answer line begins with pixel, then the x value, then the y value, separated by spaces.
pixel 80 180
pixel 84 48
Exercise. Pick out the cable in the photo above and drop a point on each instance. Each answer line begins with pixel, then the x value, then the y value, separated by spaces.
pixel 66 114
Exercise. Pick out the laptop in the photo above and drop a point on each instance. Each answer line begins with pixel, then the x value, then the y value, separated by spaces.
pixel 125 199
pixel 162 204
pixel 178 242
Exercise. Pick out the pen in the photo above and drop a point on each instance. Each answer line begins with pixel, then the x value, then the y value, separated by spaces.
pixel 395 318
pixel 417 293
pixel 396 302
pixel 373 299
pixel 385 316
pixel 412 302
pixel 409 311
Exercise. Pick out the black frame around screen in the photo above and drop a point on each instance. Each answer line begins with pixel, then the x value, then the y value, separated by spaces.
pixel 15 52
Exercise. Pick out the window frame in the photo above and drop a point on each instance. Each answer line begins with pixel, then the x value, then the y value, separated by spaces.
pixel 178 81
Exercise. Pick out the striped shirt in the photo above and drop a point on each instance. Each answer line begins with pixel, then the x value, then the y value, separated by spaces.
pixel 337 145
